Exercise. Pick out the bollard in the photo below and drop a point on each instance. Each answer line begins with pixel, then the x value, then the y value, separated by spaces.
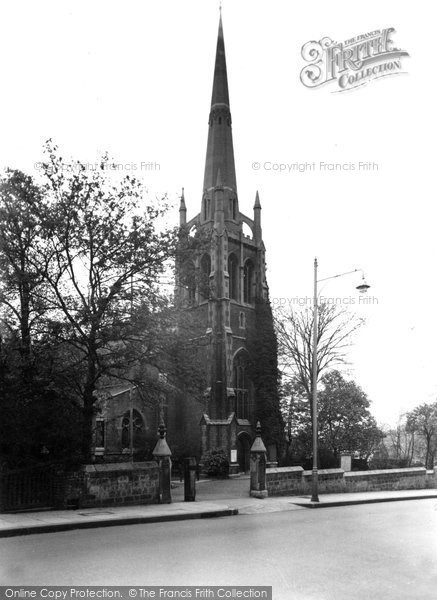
pixel 258 461
pixel 162 455
pixel 190 473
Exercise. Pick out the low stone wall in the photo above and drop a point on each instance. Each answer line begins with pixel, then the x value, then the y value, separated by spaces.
pixel 330 481
pixel 386 479
pixel 289 481
pixel 51 486
pixel 431 479
pixel 112 484
pixel 284 481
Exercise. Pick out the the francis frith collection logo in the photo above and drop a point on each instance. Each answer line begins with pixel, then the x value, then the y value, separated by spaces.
pixel 352 63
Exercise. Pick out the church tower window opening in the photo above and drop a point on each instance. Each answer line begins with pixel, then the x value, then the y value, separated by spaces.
pixel 233 276
pixel 206 209
pixel 241 386
pixel 233 208
pixel 248 282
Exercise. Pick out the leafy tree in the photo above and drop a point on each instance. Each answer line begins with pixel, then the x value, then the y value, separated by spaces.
pixel 423 419
pixel 99 254
pixel 34 403
pixel 41 418
pixel 81 304
pixel 297 417
pixel 22 290
pixel 344 420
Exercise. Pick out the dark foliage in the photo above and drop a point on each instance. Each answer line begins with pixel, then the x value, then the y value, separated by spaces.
pixel 216 464
pixel 344 422
pixel 262 347
pixel 41 419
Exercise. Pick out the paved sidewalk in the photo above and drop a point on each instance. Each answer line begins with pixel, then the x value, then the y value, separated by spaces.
pixel 330 500
pixel 13 524
pixel 24 523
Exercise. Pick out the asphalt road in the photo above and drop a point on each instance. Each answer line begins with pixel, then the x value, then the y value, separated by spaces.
pixel 376 551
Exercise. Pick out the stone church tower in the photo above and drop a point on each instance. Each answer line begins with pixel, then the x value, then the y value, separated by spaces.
pixel 220 282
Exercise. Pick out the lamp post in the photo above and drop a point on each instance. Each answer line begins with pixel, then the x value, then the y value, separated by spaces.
pixel 315 477
pixel 362 288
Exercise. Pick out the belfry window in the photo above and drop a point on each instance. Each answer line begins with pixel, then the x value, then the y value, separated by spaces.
pixel 206 209
pixel 233 276
pixel 233 208
pixel 248 282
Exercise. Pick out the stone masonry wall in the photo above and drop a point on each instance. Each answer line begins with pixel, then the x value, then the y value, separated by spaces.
pixel 112 485
pixel 284 481
pixel 386 479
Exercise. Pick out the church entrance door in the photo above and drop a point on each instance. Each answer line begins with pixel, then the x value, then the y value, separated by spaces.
pixel 244 443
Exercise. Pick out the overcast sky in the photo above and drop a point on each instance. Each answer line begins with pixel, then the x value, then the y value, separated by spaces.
pixel 134 78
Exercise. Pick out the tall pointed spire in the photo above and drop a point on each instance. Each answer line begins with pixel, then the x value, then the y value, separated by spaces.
pixel 220 91
pixel 220 149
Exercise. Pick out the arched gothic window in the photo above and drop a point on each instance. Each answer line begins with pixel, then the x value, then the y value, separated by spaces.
pixel 233 276
pixel 132 428
pixel 248 282
pixel 241 385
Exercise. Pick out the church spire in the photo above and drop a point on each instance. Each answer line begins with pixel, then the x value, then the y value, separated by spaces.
pixel 220 91
pixel 220 149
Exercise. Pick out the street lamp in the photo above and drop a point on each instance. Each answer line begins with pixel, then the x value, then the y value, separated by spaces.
pixel 362 288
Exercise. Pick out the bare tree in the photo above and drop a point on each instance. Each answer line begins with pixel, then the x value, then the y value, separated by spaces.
pixel 294 329
pixel 401 443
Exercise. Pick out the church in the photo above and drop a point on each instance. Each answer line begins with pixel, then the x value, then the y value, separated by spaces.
pixel 221 296
pixel 222 289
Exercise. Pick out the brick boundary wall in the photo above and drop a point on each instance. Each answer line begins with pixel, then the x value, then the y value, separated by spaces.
pixel 289 481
